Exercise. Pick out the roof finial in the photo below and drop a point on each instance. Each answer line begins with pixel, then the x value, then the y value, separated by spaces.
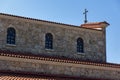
pixel 85 21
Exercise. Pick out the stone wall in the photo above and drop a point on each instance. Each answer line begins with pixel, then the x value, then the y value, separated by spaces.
pixel 57 68
pixel 30 37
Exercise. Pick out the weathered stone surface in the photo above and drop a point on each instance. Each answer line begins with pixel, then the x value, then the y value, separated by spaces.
pixel 30 37
pixel 57 68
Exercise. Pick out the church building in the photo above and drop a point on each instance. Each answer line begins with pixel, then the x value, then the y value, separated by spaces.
pixel 34 49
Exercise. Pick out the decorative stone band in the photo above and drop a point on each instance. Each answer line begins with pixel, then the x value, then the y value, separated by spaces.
pixel 55 59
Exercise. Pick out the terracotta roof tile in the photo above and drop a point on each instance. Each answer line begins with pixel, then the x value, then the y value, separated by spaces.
pixel 95 25
pixel 29 76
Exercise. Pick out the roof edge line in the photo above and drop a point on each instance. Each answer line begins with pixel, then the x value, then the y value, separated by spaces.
pixel 29 18
pixel 34 19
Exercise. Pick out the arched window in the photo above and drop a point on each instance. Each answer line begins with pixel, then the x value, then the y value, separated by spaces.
pixel 11 34
pixel 80 45
pixel 48 41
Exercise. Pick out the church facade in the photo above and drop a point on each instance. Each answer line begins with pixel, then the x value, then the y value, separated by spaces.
pixel 36 49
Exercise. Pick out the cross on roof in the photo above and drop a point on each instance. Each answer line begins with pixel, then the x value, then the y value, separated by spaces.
pixel 85 21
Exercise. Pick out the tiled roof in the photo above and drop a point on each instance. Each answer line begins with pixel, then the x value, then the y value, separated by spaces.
pixel 95 23
pixel 54 59
pixel 30 76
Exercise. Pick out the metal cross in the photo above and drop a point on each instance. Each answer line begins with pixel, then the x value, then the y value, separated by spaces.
pixel 85 21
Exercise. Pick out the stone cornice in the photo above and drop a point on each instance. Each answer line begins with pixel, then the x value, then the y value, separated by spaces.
pixel 55 59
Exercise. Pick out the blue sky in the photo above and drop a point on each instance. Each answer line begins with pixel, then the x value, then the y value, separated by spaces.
pixel 71 12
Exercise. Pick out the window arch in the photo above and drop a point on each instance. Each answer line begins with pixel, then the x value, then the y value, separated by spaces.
pixel 11 34
pixel 48 41
pixel 80 45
